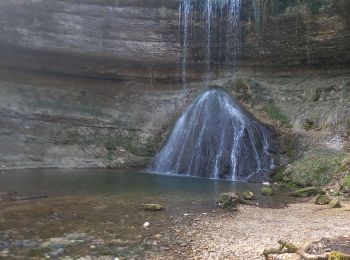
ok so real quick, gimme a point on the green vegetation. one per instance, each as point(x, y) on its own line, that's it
point(132, 144)
point(284, 248)
point(228, 201)
point(248, 195)
point(316, 168)
point(307, 192)
point(335, 203)
point(322, 199)
point(267, 191)
point(276, 114)
point(347, 181)
point(334, 255)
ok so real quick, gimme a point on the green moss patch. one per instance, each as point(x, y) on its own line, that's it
point(267, 191)
point(307, 192)
point(316, 168)
point(347, 181)
point(276, 114)
point(284, 248)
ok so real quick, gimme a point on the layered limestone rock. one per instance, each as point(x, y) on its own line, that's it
point(96, 83)
point(141, 39)
point(114, 39)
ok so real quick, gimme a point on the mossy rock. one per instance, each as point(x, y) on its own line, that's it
point(152, 207)
point(284, 248)
point(229, 200)
point(334, 255)
point(248, 195)
point(307, 192)
point(267, 191)
point(335, 203)
point(322, 199)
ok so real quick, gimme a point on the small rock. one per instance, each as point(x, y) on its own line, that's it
point(92, 246)
point(322, 199)
point(267, 191)
point(158, 236)
point(152, 207)
point(248, 195)
point(57, 252)
point(186, 214)
point(146, 224)
point(4, 253)
point(335, 203)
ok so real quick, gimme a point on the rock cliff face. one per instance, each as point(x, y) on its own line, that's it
point(140, 39)
point(298, 40)
point(96, 83)
point(114, 39)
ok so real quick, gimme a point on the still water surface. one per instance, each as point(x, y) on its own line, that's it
point(132, 184)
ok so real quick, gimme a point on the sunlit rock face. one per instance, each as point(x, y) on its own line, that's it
point(99, 38)
point(141, 39)
point(216, 138)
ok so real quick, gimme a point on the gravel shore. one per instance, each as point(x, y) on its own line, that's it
point(246, 233)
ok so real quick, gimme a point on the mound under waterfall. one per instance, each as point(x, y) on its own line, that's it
point(216, 138)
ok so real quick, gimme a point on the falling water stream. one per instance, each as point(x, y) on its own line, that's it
point(216, 138)
point(220, 20)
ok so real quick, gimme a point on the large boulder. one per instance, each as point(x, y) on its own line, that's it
point(335, 203)
point(248, 195)
point(322, 199)
point(267, 191)
point(229, 201)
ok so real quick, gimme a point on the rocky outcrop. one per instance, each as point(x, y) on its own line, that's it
point(96, 83)
point(140, 40)
point(297, 40)
point(109, 39)
point(69, 122)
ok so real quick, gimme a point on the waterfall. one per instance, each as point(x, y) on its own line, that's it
point(185, 10)
point(215, 14)
point(216, 138)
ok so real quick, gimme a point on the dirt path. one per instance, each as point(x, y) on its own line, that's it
point(245, 234)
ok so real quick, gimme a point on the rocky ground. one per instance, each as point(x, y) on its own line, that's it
point(71, 228)
point(245, 234)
